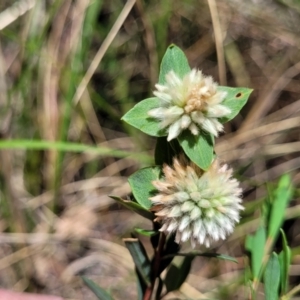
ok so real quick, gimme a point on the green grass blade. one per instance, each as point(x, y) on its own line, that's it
point(284, 261)
point(282, 196)
point(71, 147)
point(97, 290)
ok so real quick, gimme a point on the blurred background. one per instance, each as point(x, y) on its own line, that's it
point(64, 148)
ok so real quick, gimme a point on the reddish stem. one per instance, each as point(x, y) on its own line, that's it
point(155, 266)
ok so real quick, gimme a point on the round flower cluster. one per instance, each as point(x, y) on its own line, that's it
point(192, 103)
point(201, 206)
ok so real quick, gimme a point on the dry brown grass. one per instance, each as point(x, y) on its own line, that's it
point(57, 221)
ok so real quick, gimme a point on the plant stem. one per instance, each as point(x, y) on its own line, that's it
point(155, 266)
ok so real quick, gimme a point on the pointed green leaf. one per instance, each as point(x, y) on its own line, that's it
point(198, 148)
point(174, 59)
point(133, 206)
point(235, 99)
point(141, 185)
point(255, 244)
point(197, 253)
point(284, 261)
point(249, 243)
point(176, 275)
point(216, 255)
point(140, 258)
point(141, 285)
point(97, 290)
point(138, 117)
point(282, 196)
point(146, 232)
point(272, 278)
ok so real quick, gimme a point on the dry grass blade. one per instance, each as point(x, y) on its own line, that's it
point(49, 62)
point(105, 45)
point(149, 38)
point(17, 256)
point(267, 99)
point(12, 13)
point(251, 134)
point(219, 40)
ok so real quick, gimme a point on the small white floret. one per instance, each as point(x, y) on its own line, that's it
point(190, 103)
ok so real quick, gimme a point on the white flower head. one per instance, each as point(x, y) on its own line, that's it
point(200, 206)
point(192, 103)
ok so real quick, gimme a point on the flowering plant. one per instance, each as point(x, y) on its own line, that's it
point(189, 195)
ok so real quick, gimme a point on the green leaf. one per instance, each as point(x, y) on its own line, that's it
point(176, 275)
point(138, 117)
point(219, 256)
point(140, 258)
point(97, 290)
point(141, 185)
point(133, 206)
point(235, 99)
point(282, 196)
point(174, 59)
point(146, 232)
point(255, 244)
point(284, 261)
point(141, 285)
point(272, 278)
point(198, 148)
point(197, 253)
